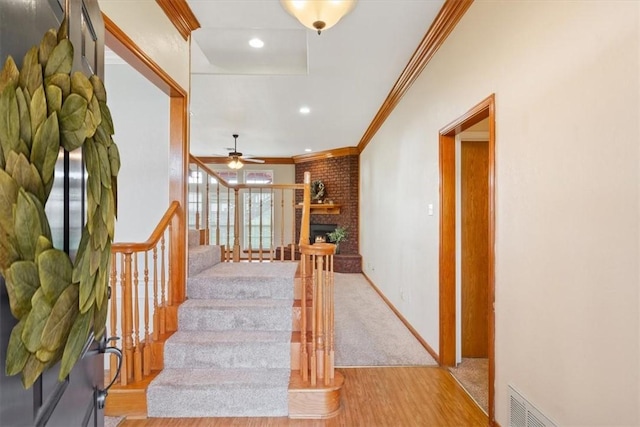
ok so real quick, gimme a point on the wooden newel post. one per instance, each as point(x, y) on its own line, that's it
point(320, 256)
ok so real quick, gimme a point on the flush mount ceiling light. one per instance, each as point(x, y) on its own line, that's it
point(318, 14)
point(305, 110)
point(256, 43)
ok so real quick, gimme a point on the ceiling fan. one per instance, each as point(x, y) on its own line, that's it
point(236, 158)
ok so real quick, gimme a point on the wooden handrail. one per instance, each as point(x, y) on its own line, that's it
point(155, 235)
point(198, 162)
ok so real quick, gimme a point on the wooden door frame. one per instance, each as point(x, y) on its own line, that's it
point(447, 280)
point(128, 50)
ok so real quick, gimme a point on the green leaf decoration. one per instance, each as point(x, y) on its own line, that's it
point(102, 281)
point(107, 210)
point(27, 225)
point(31, 73)
point(22, 283)
point(54, 99)
point(48, 43)
point(55, 271)
point(43, 244)
point(87, 293)
point(94, 261)
point(71, 140)
point(46, 145)
point(8, 196)
point(106, 118)
point(63, 30)
point(114, 159)
point(44, 222)
point(31, 371)
point(9, 75)
point(105, 166)
point(72, 122)
point(8, 251)
point(98, 88)
point(17, 353)
point(95, 191)
point(25, 117)
point(61, 59)
point(81, 85)
point(45, 355)
point(38, 109)
point(9, 120)
point(100, 233)
point(90, 124)
point(35, 321)
point(63, 81)
point(27, 176)
point(100, 317)
point(94, 107)
point(62, 316)
point(75, 343)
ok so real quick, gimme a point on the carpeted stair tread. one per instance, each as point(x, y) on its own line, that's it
point(203, 257)
point(243, 281)
point(228, 349)
point(219, 393)
point(225, 314)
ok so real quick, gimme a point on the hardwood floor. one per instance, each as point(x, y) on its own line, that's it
point(389, 396)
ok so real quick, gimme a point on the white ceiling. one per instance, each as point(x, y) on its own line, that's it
point(342, 75)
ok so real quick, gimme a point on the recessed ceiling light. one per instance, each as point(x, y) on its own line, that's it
point(305, 110)
point(256, 42)
point(308, 150)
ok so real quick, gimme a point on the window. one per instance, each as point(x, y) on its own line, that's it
point(258, 210)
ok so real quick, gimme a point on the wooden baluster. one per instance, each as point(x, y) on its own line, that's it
point(319, 313)
point(331, 361)
point(217, 212)
point(156, 308)
point(314, 326)
point(226, 258)
point(146, 355)
point(113, 360)
point(137, 354)
point(170, 267)
point(249, 224)
point(197, 197)
point(206, 211)
point(293, 228)
point(282, 225)
point(271, 230)
point(236, 226)
point(260, 229)
point(163, 284)
point(127, 326)
point(304, 356)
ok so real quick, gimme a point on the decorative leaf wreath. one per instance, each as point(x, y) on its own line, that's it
point(317, 190)
point(57, 302)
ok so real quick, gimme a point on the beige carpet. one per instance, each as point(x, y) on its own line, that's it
point(112, 421)
point(473, 374)
point(368, 332)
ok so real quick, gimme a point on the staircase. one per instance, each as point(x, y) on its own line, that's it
point(231, 354)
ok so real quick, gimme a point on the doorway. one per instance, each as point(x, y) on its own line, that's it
point(480, 319)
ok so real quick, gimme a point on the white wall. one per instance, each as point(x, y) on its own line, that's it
point(566, 78)
point(140, 113)
point(148, 26)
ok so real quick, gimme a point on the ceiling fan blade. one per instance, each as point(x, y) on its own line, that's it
point(252, 160)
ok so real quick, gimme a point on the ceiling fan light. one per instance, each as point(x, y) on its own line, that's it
point(235, 163)
point(318, 14)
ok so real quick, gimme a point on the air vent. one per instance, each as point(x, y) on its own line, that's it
point(524, 414)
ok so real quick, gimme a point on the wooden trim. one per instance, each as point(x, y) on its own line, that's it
point(128, 50)
point(445, 22)
point(403, 320)
point(484, 109)
point(321, 155)
point(180, 15)
point(267, 160)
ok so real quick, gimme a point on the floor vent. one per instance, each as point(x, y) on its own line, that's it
point(524, 414)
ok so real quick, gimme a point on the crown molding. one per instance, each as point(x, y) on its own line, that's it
point(180, 15)
point(267, 160)
point(445, 22)
point(321, 155)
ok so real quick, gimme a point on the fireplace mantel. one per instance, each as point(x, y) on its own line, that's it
point(322, 209)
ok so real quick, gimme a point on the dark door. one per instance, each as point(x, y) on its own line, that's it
point(49, 402)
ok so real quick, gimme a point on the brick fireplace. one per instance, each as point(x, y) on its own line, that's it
point(340, 177)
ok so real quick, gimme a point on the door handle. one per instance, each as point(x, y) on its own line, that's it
point(101, 395)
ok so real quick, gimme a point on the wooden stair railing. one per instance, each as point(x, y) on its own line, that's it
point(219, 209)
point(155, 305)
